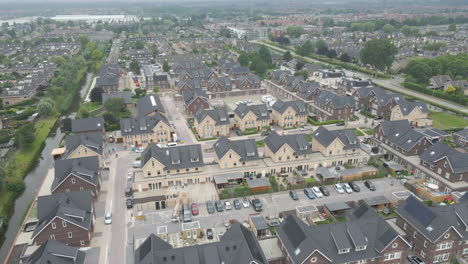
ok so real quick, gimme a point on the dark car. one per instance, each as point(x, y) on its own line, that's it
point(309, 193)
point(129, 203)
point(324, 190)
point(237, 204)
point(265, 133)
point(128, 192)
point(293, 195)
point(209, 233)
point(257, 205)
point(210, 207)
point(354, 186)
point(219, 206)
point(239, 132)
point(415, 260)
point(340, 124)
point(370, 185)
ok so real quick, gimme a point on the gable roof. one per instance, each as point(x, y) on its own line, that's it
point(458, 160)
point(73, 207)
point(307, 88)
point(225, 82)
point(190, 96)
point(220, 116)
point(433, 222)
point(298, 142)
point(92, 141)
point(148, 104)
point(400, 133)
point(126, 96)
point(86, 168)
point(259, 110)
point(238, 245)
point(462, 133)
point(192, 83)
point(57, 253)
point(363, 229)
point(174, 158)
point(337, 101)
point(141, 125)
point(297, 105)
point(245, 148)
point(347, 136)
point(87, 124)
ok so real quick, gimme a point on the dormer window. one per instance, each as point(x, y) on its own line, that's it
point(361, 248)
point(344, 251)
point(194, 160)
point(297, 251)
point(303, 147)
point(250, 154)
point(175, 161)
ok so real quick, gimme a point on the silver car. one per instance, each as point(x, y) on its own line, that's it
point(347, 188)
point(339, 188)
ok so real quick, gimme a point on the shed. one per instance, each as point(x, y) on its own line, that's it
point(191, 230)
point(379, 203)
point(393, 166)
point(223, 181)
point(307, 211)
point(259, 184)
point(259, 225)
point(337, 208)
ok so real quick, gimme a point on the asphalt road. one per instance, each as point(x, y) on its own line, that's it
point(390, 83)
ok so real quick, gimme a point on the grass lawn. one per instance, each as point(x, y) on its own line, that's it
point(20, 164)
point(327, 221)
point(311, 179)
point(444, 120)
point(260, 143)
point(341, 218)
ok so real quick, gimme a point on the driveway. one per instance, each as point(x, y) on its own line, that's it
point(174, 114)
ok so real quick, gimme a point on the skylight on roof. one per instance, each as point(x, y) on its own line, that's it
point(432, 153)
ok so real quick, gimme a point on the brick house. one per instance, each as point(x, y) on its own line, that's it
point(330, 106)
point(77, 175)
point(66, 217)
point(188, 85)
point(150, 105)
point(195, 101)
point(220, 84)
point(364, 238)
point(57, 252)
point(87, 125)
point(212, 123)
point(438, 233)
point(308, 90)
point(248, 82)
point(446, 162)
point(251, 117)
point(288, 114)
point(108, 79)
point(461, 137)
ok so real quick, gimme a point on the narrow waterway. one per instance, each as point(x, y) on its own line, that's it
point(34, 179)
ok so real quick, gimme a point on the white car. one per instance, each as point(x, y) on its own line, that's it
point(245, 202)
point(108, 219)
point(317, 192)
point(339, 188)
point(227, 205)
point(139, 150)
point(347, 188)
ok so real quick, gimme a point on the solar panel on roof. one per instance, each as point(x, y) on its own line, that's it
point(360, 211)
point(294, 232)
point(419, 211)
point(386, 237)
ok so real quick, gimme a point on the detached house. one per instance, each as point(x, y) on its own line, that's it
point(288, 114)
point(282, 148)
point(235, 153)
point(195, 101)
point(142, 131)
point(438, 82)
point(438, 234)
point(364, 238)
point(55, 252)
point(150, 105)
point(77, 175)
point(252, 117)
point(156, 161)
point(212, 123)
point(335, 142)
point(84, 145)
point(87, 125)
point(446, 162)
point(66, 217)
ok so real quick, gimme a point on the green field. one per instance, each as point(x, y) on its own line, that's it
point(444, 120)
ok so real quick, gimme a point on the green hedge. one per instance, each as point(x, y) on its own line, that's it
point(317, 123)
point(436, 93)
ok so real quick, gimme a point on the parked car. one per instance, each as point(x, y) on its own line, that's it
point(219, 206)
point(239, 132)
point(237, 204)
point(354, 186)
point(415, 260)
point(339, 188)
point(209, 233)
point(265, 133)
point(227, 205)
point(293, 195)
point(317, 192)
point(137, 164)
point(108, 219)
point(210, 207)
point(194, 208)
point(186, 213)
point(340, 124)
point(128, 192)
point(245, 202)
point(129, 203)
point(347, 188)
point(370, 185)
point(139, 150)
point(257, 205)
point(309, 193)
point(324, 190)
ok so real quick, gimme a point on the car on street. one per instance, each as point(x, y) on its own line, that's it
point(324, 190)
point(129, 203)
point(194, 208)
point(108, 219)
point(370, 185)
point(309, 193)
point(237, 204)
point(415, 260)
point(245, 202)
point(128, 192)
point(186, 214)
point(293, 195)
point(340, 124)
point(304, 128)
point(265, 133)
point(219, 206)
point(317, 192)
point(347, 188)
point(210, 207)
point(227, 205)
point(137, 164)
point(339, 188)
point(209, 233)
point(239, 132)
point(257, 204)
point(139, 150)
point(354, 186)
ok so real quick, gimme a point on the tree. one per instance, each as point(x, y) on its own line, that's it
point(295, 31)
point(139, 92)
point(258, 66)
point(287, 56)
point(243, 59)
point(331, 53)
point(379, 53)
point(114, 105)
point(409, 30)
point(84, 113)
point(420, 71)
point(265, 55)
point(96, 95)
point(25, 135)
point(96, 54)
point(135, 67)
point(166, 66)
point(299, 65)
point(345, 57)
point(452, 27)
point(450, 89)
point(59, 60)
point(302, 73)
point(15, 185)
point(306, 49)
point(45, 107)
point(320, 44)
point(155, 89)
point(139, 45)
point(388, 28)
point(225, 32)
point(323, 50)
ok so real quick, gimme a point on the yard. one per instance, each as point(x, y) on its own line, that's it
point(443, 120)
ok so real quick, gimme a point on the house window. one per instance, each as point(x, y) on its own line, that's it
point(360, 248)
point(82, 242)
point(423, 254)
point(465, 251)
point(425, 243)
point(73, 180)
point(53, 225)
point(391, 256)
point(343, 251)
point(64, 223)
point(414, 234)
point(444, 246)
point(439, 170)
point(404, 226)
point(52, 237)
point(361, 261)
point(394, 245)
point(313, 260)
point(70, 234)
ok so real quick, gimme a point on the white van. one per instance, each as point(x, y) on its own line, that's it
point(137, 164)
point(172, 144)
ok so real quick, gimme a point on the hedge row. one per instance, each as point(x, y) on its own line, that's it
point(317, 123)
point(436, 93)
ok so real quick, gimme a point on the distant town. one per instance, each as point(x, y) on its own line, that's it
point(234, 132)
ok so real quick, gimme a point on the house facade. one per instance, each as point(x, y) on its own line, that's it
point(212, 123)
point(145, 130)
point(289, 114)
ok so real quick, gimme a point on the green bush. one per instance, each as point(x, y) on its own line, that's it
point(318, 123)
